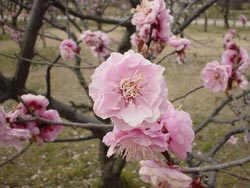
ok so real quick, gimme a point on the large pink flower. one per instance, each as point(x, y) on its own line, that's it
point(161, 175)
point(130, 89)
point(68, 49)
point(97, 41)
point(215, 76)
point(138, 143)
point(179, 126)
point(147, 11)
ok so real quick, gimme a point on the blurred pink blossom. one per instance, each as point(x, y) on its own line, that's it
point(129, 89)
point(161, 175)
point(16, 35)
point(233, 140)
point(243, 19)
point(68, 49)
point(228, 38)
point(215, 76)
point(138, 143)
point(179, 126)
point(97, 41)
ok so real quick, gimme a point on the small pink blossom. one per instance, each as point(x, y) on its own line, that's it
point(36, 103)
point(68, 49)
point(161, 175)
point(11, 137)
point(163, 26)
point(180, 45)
point(243, 19)
point(228, 38)
point(97, 41)
point(129, 89)
point(147, 11)
point(50, 132)
point(233, 140)
point(136, 144)
point(238, 59)
point(179, 126)
point(215, 76)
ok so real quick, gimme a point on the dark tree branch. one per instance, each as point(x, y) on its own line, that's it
point(28, 44)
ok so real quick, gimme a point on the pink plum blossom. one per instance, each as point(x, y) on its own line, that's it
point(37, 107)
point(36, 103)
point(243, 19)
point(179, 126)
point(147, 11)
point(11, 137)
point(161, 175)
point(215, 76)
point(163, 26)
point(180, 46)
point(233, 140)
point(129, 89)
point(137, 143)
point(97, 41)
point(68, 49)
point(50, 132)
point(238, 59)
point(228, 38)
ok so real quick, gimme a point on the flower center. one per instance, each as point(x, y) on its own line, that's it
point(129, 87)
point(216, 76)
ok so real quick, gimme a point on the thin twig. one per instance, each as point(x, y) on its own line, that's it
point(186, 94)
point(165, 56)
point(218, 166)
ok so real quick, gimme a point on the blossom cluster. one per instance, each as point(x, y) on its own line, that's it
point(97, 41)
point(12, 130)
point(131, 91)
point(153, 25)
point(230, 73)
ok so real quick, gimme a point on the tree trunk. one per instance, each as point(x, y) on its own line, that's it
point(226, 13)
point(111, 169)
